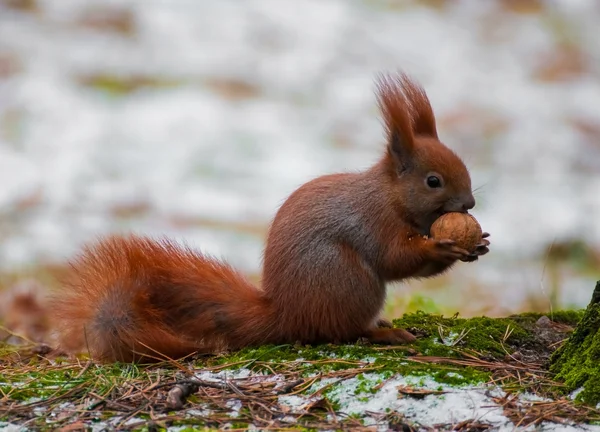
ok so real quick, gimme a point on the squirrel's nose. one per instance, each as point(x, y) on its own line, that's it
point(468, 202)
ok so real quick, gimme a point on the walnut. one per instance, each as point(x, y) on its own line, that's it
point(463, 228)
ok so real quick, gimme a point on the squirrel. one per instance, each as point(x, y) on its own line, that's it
point(331, 248)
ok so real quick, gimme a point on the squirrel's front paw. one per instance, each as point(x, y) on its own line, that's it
point(446, 251)
point(481, 249)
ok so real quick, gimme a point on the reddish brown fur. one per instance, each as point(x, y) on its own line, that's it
point(405, 106)
point(133, 297)
point(331, 248)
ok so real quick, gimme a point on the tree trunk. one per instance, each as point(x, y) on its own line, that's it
point(577, 362)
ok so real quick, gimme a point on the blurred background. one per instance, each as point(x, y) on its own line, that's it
point(196, 119)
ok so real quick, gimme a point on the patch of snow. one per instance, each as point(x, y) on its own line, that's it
point(456, 405)
point(40, 411)
point(113, 422)
point(235, 405)
point(9, 427)
point(294, 402)
point(198, 413)
point(576, 392)
point(226, 374)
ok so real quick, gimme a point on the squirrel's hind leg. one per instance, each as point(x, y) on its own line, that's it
point(389, 336)
point(383, 323)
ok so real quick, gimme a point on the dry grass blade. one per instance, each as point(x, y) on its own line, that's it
point(528, 413)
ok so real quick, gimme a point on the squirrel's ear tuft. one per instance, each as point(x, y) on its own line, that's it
point(423, 119)
point(396, 111)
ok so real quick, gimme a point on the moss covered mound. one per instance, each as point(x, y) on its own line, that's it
point(438, 336)
point(577, 362)
point(450, 354)
point(446, 336)
point(489, 338)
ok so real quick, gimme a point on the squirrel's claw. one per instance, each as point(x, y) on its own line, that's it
point(480, 249)
point(470, 258)
point(446, 251)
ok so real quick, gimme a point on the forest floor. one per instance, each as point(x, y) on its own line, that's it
point(462, 374)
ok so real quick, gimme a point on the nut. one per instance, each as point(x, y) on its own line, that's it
point(463, 228)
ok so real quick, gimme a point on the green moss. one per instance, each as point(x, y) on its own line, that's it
point(41, 382)
point(456, 376)
point(36, 384)
point(464, 377)
point(577, 363)
point(312, 359)
point(366, 385)
point(447, 336)
point(569, 317)
point(437, 336)
point(326, 358)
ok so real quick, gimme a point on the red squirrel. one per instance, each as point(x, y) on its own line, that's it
point(332, 247)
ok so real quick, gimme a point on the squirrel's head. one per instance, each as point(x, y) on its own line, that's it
point(427, 178)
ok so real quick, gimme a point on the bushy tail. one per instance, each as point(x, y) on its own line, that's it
point(138, 299)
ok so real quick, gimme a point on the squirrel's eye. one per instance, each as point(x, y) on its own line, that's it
point(434, 182)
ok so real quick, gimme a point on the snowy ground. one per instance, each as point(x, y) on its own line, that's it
point(454, 404)
point(236, 104)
